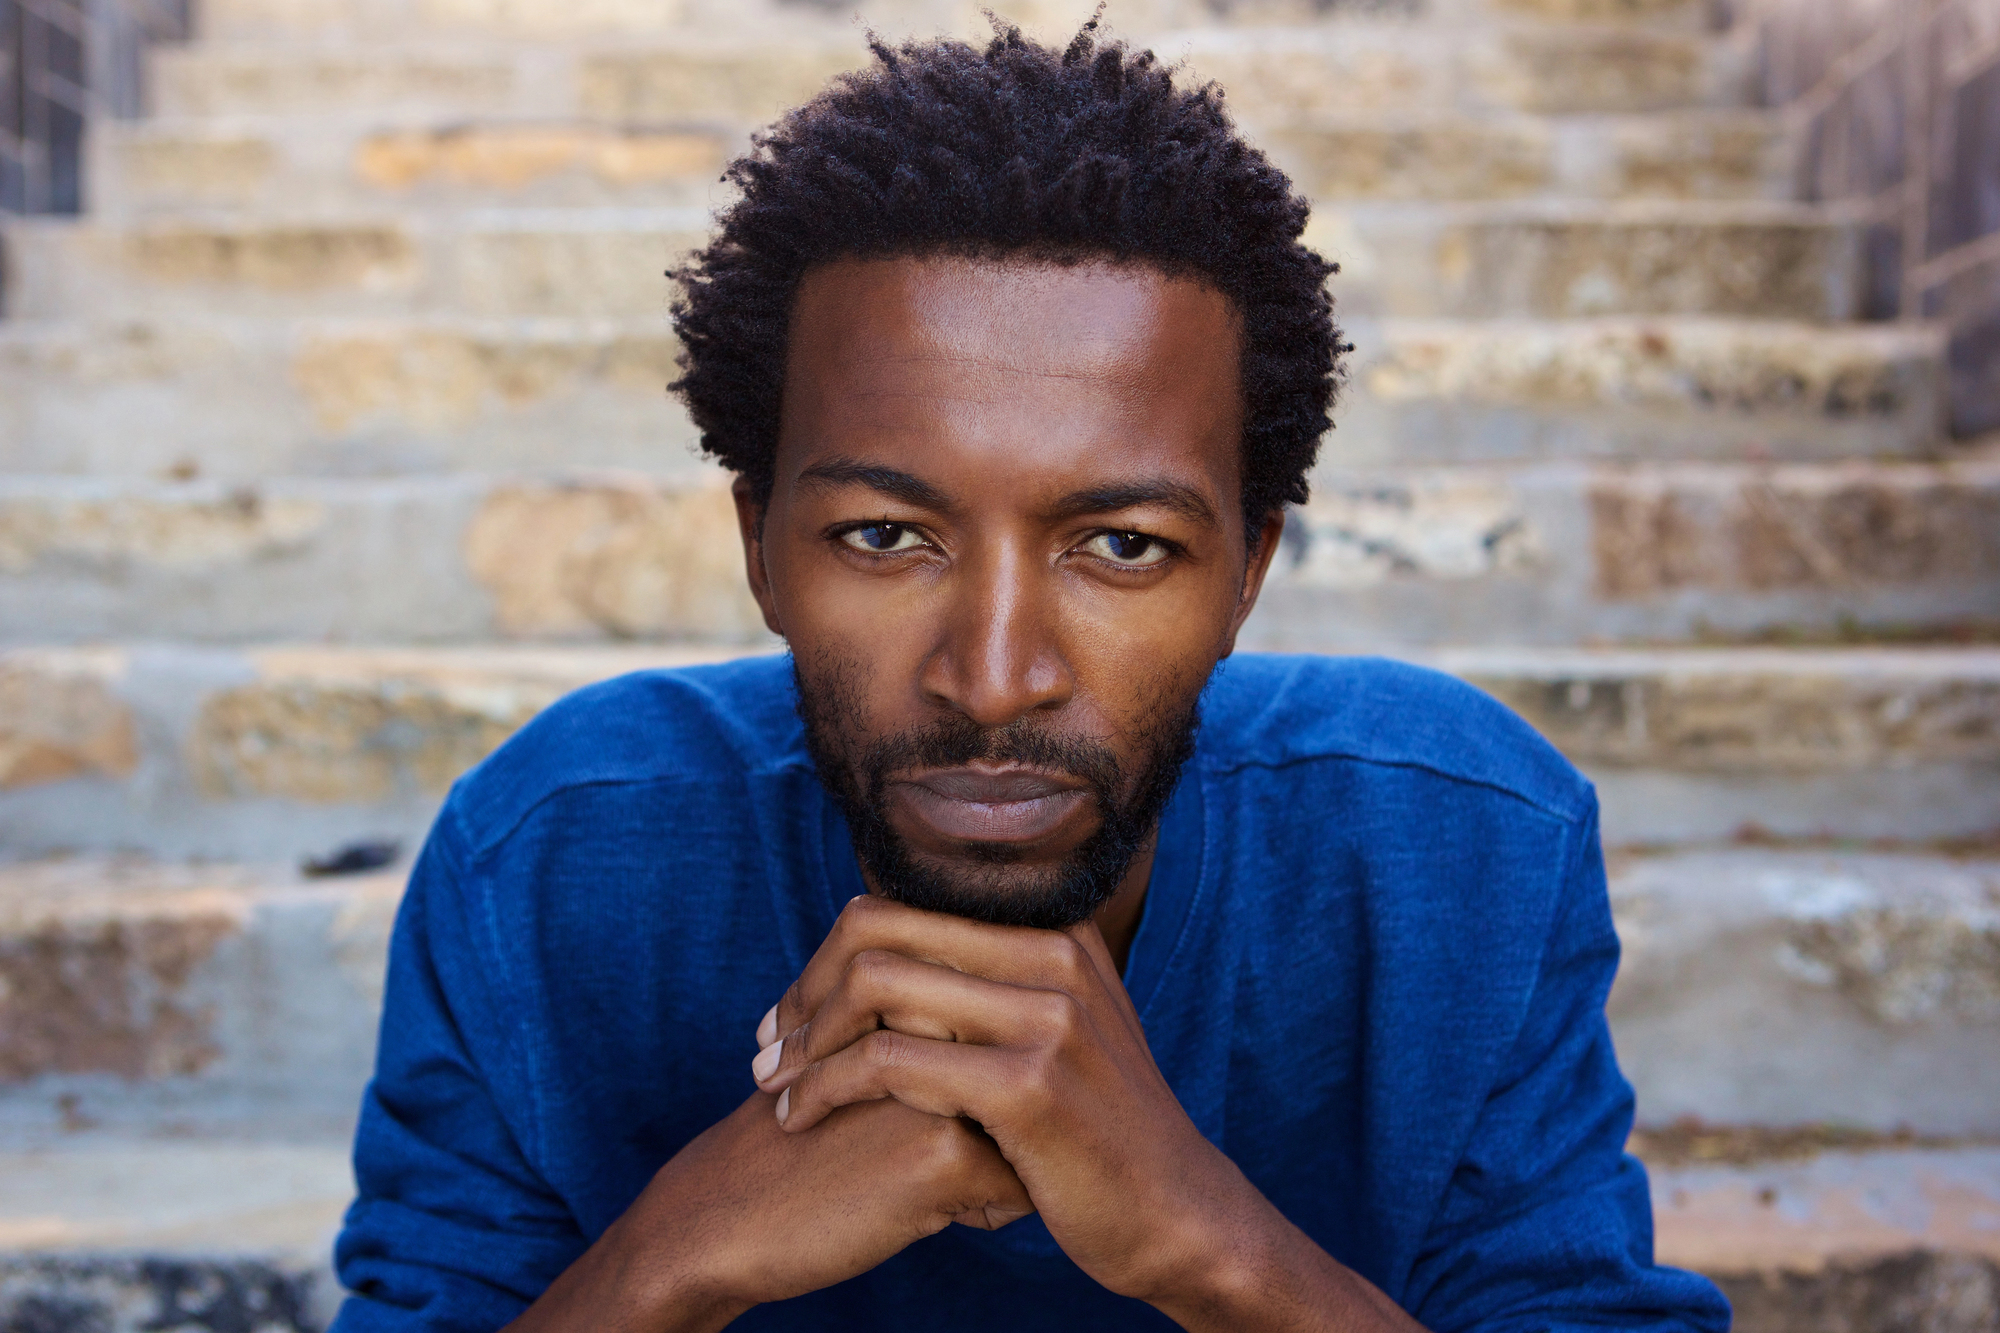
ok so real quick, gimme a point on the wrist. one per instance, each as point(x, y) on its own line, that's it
point(1228, 1264)
point(663, 1281)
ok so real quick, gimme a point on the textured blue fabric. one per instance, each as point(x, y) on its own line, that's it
point(1372, 965)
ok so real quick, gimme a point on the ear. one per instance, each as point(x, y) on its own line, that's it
point(750, 524)
point(1254, 569)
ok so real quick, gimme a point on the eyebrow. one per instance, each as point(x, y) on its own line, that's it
point(1182, 499)
point(892, 482)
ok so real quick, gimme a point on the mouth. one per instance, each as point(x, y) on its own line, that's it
point(1010, 804)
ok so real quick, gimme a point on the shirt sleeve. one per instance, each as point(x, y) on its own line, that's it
point(453, 1229)
point(1547, 1223)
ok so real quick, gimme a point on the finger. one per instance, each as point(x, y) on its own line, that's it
point(941, 1078)
point(1092, 939)
point(892, 990)
point(1018, 955)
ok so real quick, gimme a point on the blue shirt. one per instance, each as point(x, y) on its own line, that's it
point(1372, 965)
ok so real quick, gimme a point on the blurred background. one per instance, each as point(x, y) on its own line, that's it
point(333, 444)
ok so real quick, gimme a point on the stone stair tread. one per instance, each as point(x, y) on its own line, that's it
point(1383, 555)
point(1275, 71)
point(1845, 1208)
point(176, 1197)
point(1489, 258)
point(271, 751)
point(248, 396)
point(329, 161)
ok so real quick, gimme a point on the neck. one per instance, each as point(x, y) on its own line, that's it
point(1118, 919)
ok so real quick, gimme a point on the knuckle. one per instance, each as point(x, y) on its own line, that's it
point(1039, 1077)
point(872, 970)
point(794, 1003)
point(1057, 1015)
point(885, 1049)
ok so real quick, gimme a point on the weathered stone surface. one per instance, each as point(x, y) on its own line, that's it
point(364, 725)
point(1443, 528)
point(91, 985)
point(274, 258)
point(1921, 1291)
point(437, 378)
point(60, 719)
point(623, 557)
point(1839, 1217)
point(1451, 160)
point(1716, 711)
point(1719, 367)
point(1271, 83)
point(198, 80)
point(318, 734)
point(511, 157)
point(1688, 157)
point(1605, 11)
point(188, 527)
point(105, 1294)
point(1557, 70)
point(194, 169)
point(1795, 986)
point(1612, 262)
point(615, 267)
point(1838, 527)
point(748, 85)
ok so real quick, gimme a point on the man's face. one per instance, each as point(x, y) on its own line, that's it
point(1005, 544)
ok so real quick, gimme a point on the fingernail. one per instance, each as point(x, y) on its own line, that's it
point(784, 1105)
point(766, 1063)
point(767, 1030)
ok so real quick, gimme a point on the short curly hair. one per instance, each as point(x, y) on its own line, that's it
point(1017, 149)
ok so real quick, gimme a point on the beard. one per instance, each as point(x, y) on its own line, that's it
point(988, 882)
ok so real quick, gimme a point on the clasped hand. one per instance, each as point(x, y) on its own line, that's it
point(1030, 1035)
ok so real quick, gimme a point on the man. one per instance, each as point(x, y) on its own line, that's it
point(1081, 1021)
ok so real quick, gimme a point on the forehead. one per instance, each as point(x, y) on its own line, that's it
point(1031, 368)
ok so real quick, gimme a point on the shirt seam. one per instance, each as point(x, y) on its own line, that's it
point(1565, 816)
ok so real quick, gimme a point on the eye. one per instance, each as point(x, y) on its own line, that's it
point(1133, 550)
point(882, 538)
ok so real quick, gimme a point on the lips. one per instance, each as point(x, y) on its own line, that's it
point(1019, 805)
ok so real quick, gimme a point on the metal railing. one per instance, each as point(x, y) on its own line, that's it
point(61, 63)
point(1896, 104)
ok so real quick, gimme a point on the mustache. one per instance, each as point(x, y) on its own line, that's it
point(953, 741)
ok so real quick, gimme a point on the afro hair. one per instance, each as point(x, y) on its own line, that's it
point(1089, 153)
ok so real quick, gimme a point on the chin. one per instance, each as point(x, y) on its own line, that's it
point(993, 885)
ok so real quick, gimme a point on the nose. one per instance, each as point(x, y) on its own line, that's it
point(997, 657)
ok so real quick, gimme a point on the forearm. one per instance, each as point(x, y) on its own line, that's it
point(1259, 1272)
point(640, 1277)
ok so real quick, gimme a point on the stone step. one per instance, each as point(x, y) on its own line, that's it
point(568, 263)
point(1891, 1240)
point(1524, 259)
point(1050, 20)
point(1843, 1242)
point(1574, 258)
point(279, 752)
point(1272, 74)
point(1539, 554)
point(1373, 155)
point(242, 399)
point(1653, 388)
point(1275, 76)
point(143, 996)
point(1792, 987)
point(1846, 1000)
point(330, 164)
